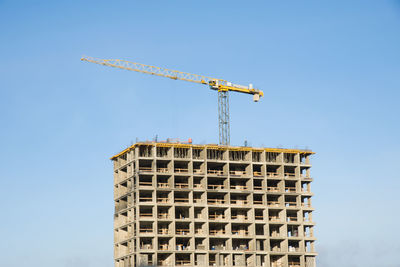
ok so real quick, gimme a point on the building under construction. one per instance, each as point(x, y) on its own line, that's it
point(208, 205)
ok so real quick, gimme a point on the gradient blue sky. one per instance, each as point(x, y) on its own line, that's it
point(330, 71)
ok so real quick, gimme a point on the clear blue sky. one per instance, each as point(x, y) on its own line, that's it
point(330, 71)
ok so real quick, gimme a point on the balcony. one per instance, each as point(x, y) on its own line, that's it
point(164, 247)
point(182, 247)
point(163, 200)
point(293, 233)
point(239, 217)
point(257, 174)
point(218, 247)
point(181, 200)
point(197, 186)
point(163, 216)
point(240, 232)
point(182, 231)
point(239, 201)
point(259, 217)
point(291, 219)
point(162, 185)
point(125, 236)
point(239, 187)
point(146, 230)
point(122, 221)
point(121, 161)
point(198, 171)
point(162, 170)
point(241, 247)
point(182, 216)
point(276, 249)
point(258, 202)
point(183, 262)
point(272, 174)
point(144, 184)
point(308, 249)
point(164, 231)
point(273, 203)
point(290, 189)
point(181, 185)
point(215, 186)
point(198, 201)
point(121, 191)
point(272, 189)
point(200, 247)
point(216, 217)
point(215, 201)
point(257, 187)
point(275, 235)
point(217, 232)
point(237, 173)
point(145, 215)
point(145, 169)
point(145, 199)
point(306, 205)
point(291, 204)
point(146, 247)
point(290, 175)
point(199, 232)
point(274, 219)
point(294, 249)
point(121, 206)
point(216, 172)
point(164, 263)
point(308, 234)
point(181, 170)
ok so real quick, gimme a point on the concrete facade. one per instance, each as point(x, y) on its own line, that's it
point(208, 205)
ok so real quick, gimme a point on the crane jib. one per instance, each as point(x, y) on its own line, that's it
point(223, 87)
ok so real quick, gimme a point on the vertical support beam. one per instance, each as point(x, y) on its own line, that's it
point(223, 118)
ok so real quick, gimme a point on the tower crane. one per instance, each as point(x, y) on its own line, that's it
point(222, 86)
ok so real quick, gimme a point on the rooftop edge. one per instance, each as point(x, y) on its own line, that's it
point(213, 146)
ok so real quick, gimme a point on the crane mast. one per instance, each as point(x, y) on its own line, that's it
point(222, 86)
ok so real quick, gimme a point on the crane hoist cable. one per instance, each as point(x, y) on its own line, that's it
point(222, 86)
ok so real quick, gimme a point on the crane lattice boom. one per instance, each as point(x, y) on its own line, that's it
point(222, 86)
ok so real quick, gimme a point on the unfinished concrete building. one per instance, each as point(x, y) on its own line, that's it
point(207, 205)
